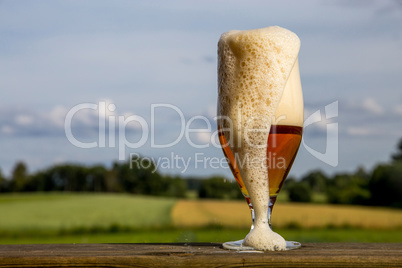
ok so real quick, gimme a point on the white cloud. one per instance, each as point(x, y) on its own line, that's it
point(372, 106)
point(204, 137)
point(359, 131)
point(24, 119)
point(398, 109)
point(29, 122)
point(57, 115)
point(361, 108)
point(7, 129)
point(211, 111)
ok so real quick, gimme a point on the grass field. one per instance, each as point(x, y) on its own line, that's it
point(121, 218)
point(212, 235)
point(65, 211)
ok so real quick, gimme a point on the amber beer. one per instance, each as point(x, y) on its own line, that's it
point(283, 144)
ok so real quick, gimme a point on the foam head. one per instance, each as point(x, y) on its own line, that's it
point(253, 68)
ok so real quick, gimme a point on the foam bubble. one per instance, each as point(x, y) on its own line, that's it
point(253, 69)
point(264, 238)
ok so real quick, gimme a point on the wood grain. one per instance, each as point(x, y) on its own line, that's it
point(199, 255)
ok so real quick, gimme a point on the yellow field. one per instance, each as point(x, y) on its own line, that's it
point(197, 213)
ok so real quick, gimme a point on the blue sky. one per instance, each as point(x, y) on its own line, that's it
point(55, 55)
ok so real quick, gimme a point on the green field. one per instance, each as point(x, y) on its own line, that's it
point(120, 218)
point(58, 212)
point(212, 235)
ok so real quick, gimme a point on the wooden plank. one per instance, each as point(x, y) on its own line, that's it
point(199, 255)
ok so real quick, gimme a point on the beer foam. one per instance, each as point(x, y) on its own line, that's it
point(264, 238)
point(253, 69)
point(290, 108)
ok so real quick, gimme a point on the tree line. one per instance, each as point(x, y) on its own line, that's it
point(380, 187)
point(121, 177)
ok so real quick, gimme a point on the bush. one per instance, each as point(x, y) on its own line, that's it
point(348, 189)
point(317, 181)
point(219, 188)
point(386, 185)
point(299, 192)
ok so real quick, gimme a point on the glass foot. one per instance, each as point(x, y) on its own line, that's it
point(238, 245)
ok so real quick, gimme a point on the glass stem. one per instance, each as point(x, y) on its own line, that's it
point(272, 200)
point(252, 216)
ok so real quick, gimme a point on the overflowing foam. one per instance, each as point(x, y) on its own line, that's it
point(253, 69)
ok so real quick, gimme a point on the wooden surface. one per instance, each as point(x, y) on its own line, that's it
point(198, 255)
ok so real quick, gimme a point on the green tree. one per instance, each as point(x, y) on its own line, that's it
point(39, 181)
point(386, 185)
point(299, 192)
point(176, 187)
point(144, 179)
point(69, 177)
point(219, 188)
point(348, 189)
point(19, 177)
point(288, 183)
point(111, 181)
point(398, 155)
point(3, 182)
point(317, 181)
point(126, 177)
point(137, 179)
point(95, 179)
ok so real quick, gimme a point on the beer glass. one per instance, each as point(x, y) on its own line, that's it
point(283, 142)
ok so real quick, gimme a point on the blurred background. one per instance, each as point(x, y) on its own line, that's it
point(97, 97)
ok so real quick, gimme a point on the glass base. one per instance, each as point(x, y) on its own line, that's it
point(238, 245)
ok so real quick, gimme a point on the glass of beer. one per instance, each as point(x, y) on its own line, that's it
point(260, 122)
